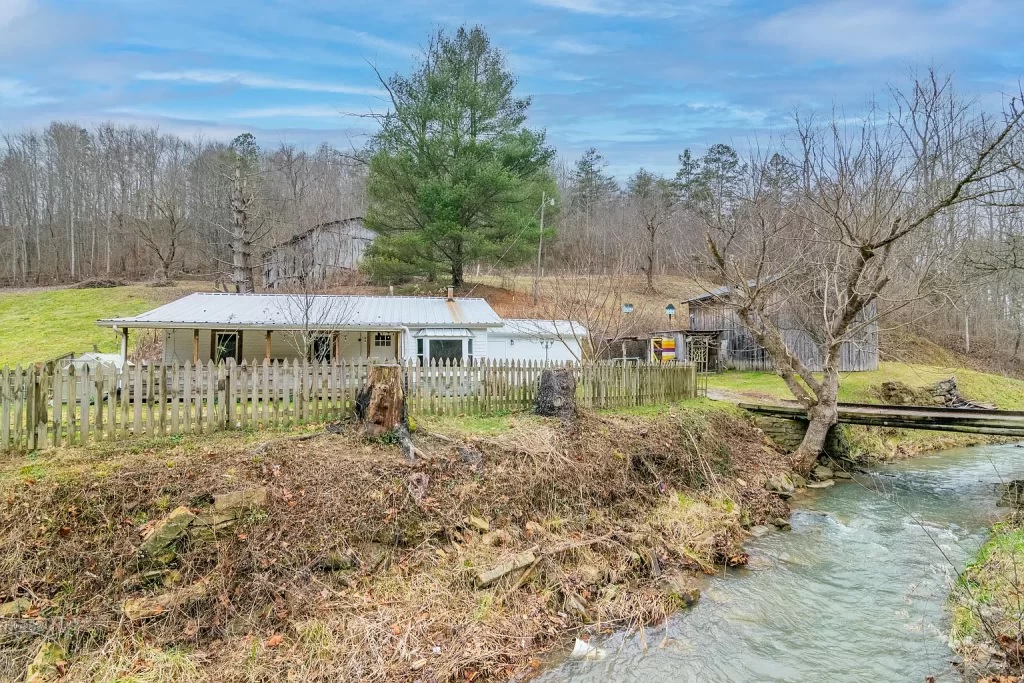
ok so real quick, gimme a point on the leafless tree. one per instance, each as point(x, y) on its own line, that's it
point(857, 219)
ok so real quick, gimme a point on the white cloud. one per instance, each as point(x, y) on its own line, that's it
point(851, 30)
point(618, 8)
point(13, 9)
point(209, 77)
point(308, 112)
point(15, 93)
point(575, 47)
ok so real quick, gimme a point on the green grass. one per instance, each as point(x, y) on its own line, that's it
point(856, 387)
point(992, 585)
point(43, 324)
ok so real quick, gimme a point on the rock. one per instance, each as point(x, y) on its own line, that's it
point(681, 588)
point(843, 474)
point(15, 608)
point(822, 473)
point(759, 531)
point(574, 604)
point(592, 575)
point(491, 576)
point(208, 526)
point(478, 523)
point(821, 484)
point(799, 481)
point(470, 456)
point(152, 606)
point(337, 561)
point(47, 665)
point(241, 500)
point(781, 524)
point(158, 547)
point(497, 538)
point(780, 483)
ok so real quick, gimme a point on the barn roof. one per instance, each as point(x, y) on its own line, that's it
point(717, 293)
point(320, 311)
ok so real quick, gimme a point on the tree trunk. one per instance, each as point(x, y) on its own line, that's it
point(457, 275)
point(556, 396)
point(821, 417)
point(380, 405)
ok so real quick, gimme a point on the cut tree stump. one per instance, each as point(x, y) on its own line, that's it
point(380, 405)
point(556, 396)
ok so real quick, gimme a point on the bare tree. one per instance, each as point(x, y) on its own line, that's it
point(652, 198)
point(857, 218)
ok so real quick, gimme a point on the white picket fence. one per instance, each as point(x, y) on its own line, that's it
point(42, 406)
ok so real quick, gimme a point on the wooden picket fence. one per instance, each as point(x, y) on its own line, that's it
point(42, 406)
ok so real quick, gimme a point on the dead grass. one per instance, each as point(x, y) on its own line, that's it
point(621, 497)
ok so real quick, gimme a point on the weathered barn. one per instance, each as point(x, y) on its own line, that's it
point(317, 255)
point(717, 333)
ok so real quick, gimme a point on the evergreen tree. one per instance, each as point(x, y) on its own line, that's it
point(455, 175)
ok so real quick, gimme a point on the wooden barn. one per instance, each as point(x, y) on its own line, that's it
point(317, 255)
point(718, 338)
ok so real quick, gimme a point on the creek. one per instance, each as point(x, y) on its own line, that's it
point(855, 592)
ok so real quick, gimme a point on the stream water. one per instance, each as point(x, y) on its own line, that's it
point(855, 592)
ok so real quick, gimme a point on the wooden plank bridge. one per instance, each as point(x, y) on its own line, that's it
point(970, 420)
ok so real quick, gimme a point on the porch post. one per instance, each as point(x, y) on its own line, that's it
point(195, 346)
point(335, 347)
point(267, 344)
point(124, 344)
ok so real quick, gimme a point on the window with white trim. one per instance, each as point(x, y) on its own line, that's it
point(382, 340)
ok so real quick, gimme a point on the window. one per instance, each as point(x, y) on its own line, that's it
point(321, 350)
point(419, 351)
point(226, 347)
point(446, 351)
point(469, 351)
point(382, 340)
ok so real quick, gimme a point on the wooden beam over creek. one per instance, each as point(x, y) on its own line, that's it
point(969, 420)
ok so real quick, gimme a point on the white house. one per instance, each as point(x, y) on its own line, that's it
point(257, 327)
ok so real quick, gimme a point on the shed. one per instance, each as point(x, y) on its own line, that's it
point(715, 326)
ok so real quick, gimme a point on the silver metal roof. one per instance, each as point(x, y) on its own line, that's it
point(524, 327)
point(456, 332)
point(325, 311)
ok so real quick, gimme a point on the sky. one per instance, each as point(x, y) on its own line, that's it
point(640, 80)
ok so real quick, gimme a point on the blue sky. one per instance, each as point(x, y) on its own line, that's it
point(638, 79)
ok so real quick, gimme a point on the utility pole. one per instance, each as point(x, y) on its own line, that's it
point(540, 245)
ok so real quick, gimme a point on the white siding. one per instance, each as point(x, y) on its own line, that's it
point(511, 347)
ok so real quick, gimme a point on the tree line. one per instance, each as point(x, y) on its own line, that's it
point(129, 202)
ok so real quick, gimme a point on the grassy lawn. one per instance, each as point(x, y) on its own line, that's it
point(856, 387)
point(43, 324)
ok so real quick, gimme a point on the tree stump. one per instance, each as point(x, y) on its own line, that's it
point(556, 396)
point(380, 405)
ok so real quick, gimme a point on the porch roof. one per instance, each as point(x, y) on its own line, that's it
point(321, 311)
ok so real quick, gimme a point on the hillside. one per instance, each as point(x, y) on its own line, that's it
point(40, 324)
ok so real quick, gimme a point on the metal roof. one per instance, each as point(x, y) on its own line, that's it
point(524, 327)
point(324, 311)
point(451, 332)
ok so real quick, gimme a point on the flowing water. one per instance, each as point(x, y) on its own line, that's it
point(855, 592)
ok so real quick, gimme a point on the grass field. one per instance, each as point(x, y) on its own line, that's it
point(41, 324)
point(1007, 393)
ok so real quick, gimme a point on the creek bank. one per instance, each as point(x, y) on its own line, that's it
point(333, 558)
point(986, 607)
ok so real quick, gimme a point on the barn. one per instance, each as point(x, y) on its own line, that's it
point(317, 255)
point(717, 339)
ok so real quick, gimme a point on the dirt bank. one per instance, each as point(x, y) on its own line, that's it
point(332, 559)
